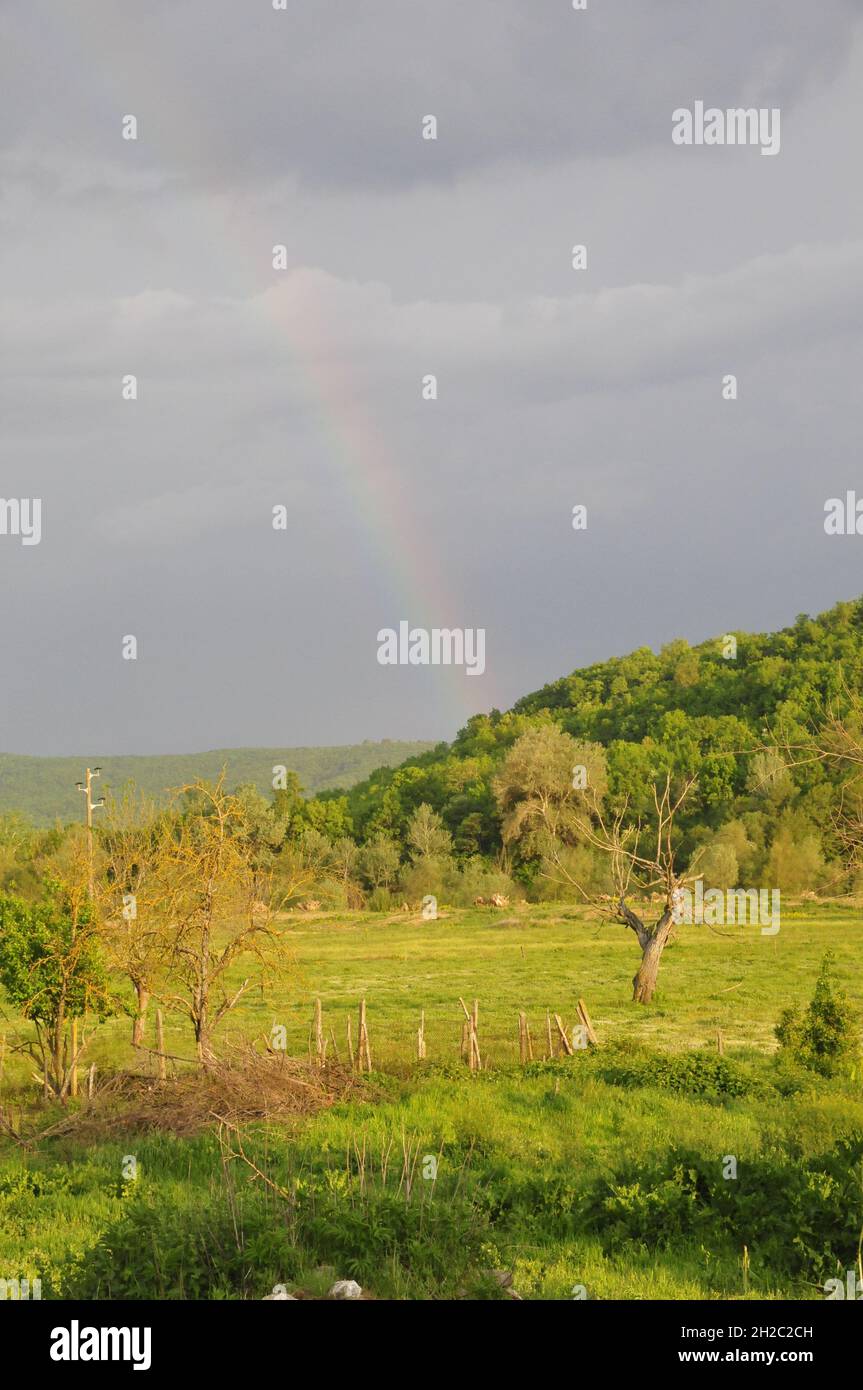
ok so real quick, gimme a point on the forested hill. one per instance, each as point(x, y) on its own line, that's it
point(43, 789)
point(701, 709)
point(753, 676)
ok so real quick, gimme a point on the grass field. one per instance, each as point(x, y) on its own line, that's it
point(731, 978)
point(533, 959)
point(603, 1172)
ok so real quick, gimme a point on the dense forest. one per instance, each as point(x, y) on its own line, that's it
point(734, 718)
point(736, 712)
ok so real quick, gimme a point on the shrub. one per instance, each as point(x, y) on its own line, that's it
point(718, 864)
point(800, 1217)
point(796, 861)
point(210, 1251)
point(430, 874)
point(824, 1036)
point(481, 880)
point(703, 1074)
point(575, 864)
point(380, 900)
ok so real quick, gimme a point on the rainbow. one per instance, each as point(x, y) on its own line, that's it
point(396, 543)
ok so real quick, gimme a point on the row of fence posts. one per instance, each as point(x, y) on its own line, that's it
point(360, 1060)
point(558, 1041)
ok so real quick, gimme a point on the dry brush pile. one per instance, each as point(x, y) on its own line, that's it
point(242, 1086)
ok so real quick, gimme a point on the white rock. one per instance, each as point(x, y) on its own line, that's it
point(345, 1288)
point(279, 1296)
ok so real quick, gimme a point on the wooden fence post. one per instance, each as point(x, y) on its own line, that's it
point(588, 1026)
point(472, 1029)
point(565, 1044)
point(319, 1034)
point(363, 1041)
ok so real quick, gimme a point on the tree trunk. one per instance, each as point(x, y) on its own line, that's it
point(644, 982)
point(143, 995)
point(202, 1039)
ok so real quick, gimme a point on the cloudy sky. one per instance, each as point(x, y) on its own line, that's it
point(302, 387)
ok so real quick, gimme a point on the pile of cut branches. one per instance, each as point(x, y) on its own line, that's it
point(241, 1086)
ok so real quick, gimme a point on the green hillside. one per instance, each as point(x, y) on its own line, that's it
point(706, 712)
point(44, 788)
point(690, 711)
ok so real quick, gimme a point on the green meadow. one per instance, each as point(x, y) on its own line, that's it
point(526, 958)
point(648, 1167)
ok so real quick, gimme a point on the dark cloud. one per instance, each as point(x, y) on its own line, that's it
point(302, 388)
point(333, 93)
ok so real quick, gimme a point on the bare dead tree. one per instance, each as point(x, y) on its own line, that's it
point(550, 811)
point(635, 866)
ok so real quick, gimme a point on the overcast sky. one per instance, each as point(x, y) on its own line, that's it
point(405, 256)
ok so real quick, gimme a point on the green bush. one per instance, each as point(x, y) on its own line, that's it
point(703, 1074)
point(696, 1073)
point(799, 1217)
point(207, 1251)
point(824, 1037)
point(380, 900)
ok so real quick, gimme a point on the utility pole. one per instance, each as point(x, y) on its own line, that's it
point(91, 806)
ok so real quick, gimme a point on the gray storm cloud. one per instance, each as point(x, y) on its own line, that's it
point(453, 257)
